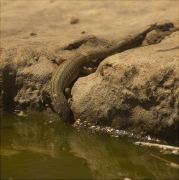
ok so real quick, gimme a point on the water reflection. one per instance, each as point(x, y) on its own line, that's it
point(110, 158)
point(107, 158)
point(42, 137)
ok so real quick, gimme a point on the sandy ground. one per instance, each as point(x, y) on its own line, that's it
point(49, 19)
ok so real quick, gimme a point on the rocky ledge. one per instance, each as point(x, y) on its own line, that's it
point(137, 90)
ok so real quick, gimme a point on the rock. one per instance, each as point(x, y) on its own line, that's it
point(74, 20)
point(23, 77)
point(136, 90)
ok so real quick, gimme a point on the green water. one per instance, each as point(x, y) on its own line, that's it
point(38, 147)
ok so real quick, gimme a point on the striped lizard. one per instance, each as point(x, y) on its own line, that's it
point(69, 70)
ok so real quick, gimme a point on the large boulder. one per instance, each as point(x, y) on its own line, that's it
point(136, 90)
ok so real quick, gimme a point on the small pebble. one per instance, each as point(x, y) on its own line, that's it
point(92, 127)
point(117, 131)
point(148, 138)
point(33, 34)
point(157, 140)
point(74, 20)
point(109, 129)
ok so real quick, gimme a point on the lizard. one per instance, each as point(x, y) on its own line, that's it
point(69, 70)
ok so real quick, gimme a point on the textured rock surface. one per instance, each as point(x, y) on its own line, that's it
point(25, 72)
point(137, 90)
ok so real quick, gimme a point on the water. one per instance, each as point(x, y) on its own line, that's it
point(38, 147)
